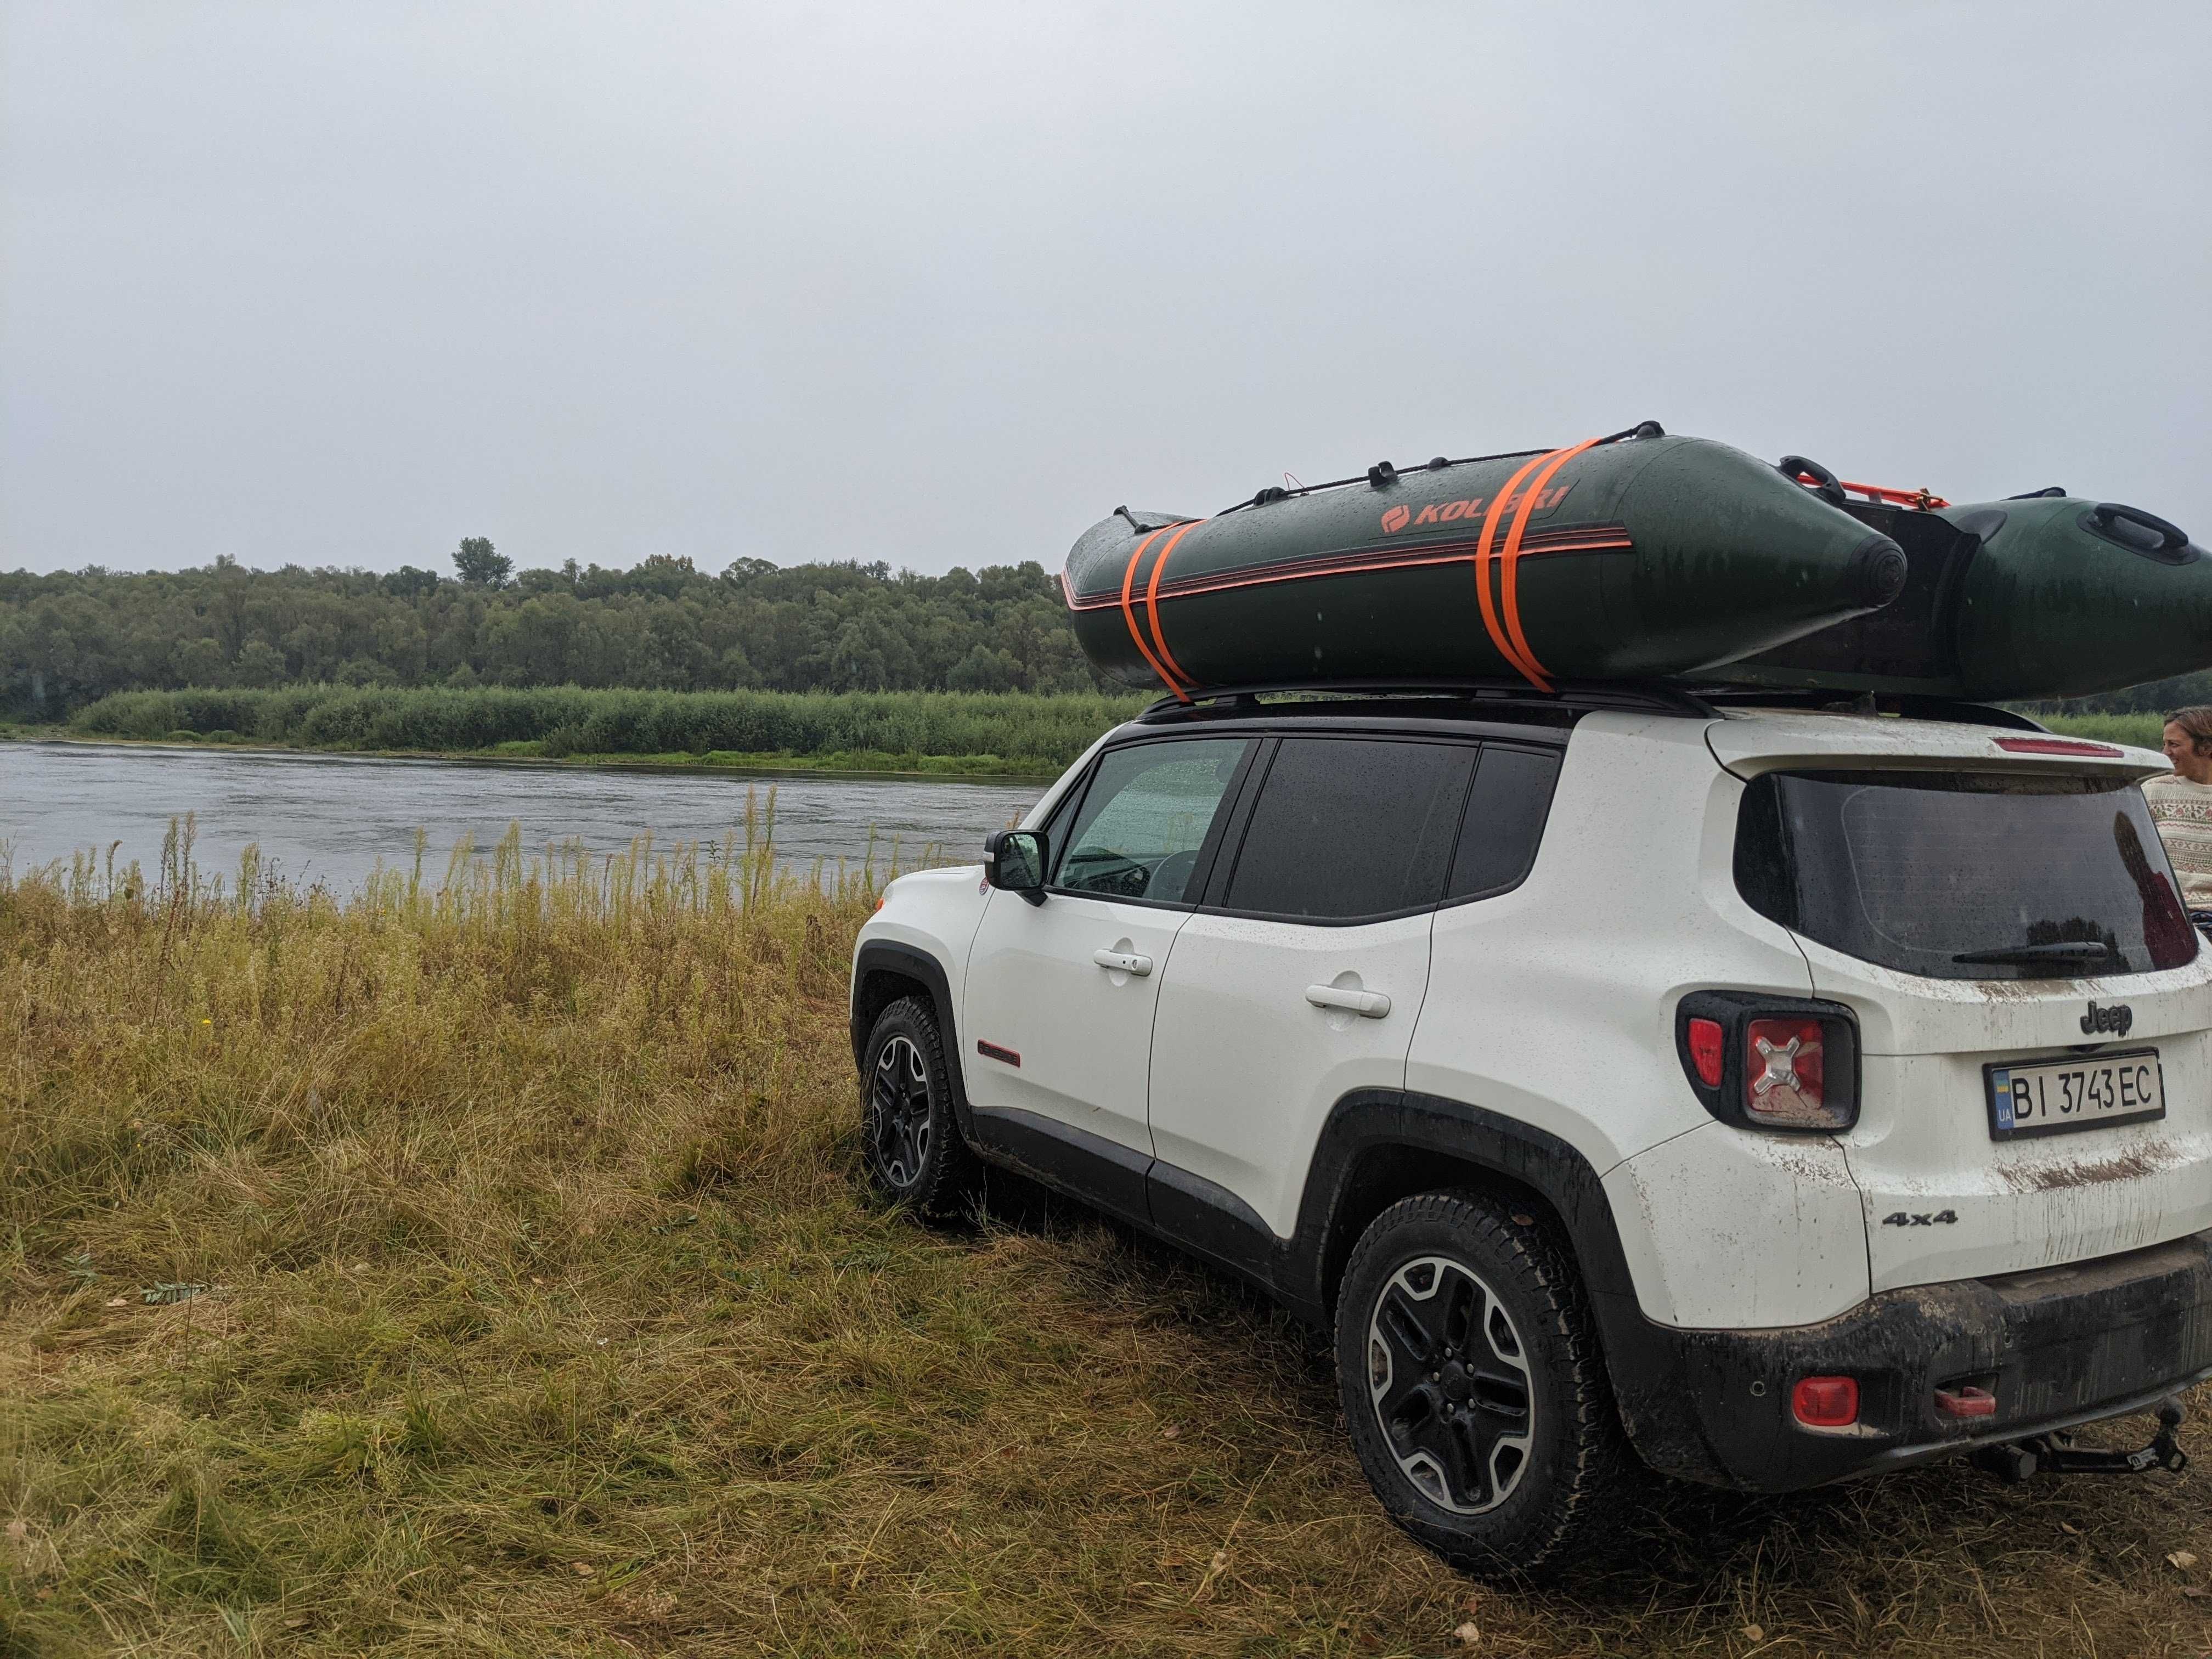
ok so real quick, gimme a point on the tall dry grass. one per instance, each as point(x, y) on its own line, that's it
point(480, 1265)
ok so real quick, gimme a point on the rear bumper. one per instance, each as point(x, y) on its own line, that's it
point(2056, 1347)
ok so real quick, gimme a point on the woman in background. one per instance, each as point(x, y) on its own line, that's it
point(2181, 806)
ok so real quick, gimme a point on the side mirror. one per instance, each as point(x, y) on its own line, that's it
point(1013, 860)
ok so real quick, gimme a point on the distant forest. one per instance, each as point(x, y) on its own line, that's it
point(68, 639)
point(71, 638)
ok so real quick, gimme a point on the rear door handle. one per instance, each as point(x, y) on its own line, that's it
point(1367, 1005)
point(1122, 962)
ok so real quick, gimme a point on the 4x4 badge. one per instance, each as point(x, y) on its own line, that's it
point(2117, 1017)
point(1902, 1218)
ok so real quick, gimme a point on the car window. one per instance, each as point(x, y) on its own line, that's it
point(1992, 876)
point(1145, 817)
point(1350, 827)
point(1505, 815)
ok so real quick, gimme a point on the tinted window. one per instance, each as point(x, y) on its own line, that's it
point(1505, 815)
point(1348, 827)
point(1965, 876)
point(1145, 817)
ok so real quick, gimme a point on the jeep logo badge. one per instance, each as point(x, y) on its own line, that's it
point(2117, 1018)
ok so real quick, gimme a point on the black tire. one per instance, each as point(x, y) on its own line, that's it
point(910, 1138)
point(1499, 1457)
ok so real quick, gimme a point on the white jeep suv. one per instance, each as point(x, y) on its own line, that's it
point(1786, 1094)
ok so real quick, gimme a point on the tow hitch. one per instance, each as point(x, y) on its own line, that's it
point(2057, 1453)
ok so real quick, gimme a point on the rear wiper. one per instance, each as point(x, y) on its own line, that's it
point(2028, 954)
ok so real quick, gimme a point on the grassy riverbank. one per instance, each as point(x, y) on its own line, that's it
point(956, 732)
point(2146, 731)
point(951, 732)
point(487, 1271)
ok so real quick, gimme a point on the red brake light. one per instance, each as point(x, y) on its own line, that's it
point(1784, 1073)
point(1825, 1402)
point(1708, 1050)
point(2058, 746)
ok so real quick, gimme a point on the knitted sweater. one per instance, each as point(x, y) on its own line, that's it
point(2182, 812)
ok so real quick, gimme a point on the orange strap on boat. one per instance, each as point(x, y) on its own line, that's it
point(1129, 616)
point(1153, 604)
point(1498, 636)
point(1923, 499)
point(1509, 596)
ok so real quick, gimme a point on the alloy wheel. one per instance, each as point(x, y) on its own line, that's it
point(1448, 1377)
point(898, 1112)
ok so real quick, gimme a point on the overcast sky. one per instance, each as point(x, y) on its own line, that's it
point(340, 284)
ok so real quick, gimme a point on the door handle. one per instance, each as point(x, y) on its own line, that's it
point(1367, 1005)
point(1122, 962)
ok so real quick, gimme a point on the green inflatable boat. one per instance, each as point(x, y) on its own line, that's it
point(2043, 595)
point(1628, 557)
point(1643, 556)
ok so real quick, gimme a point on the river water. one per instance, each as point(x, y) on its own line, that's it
point(329, 818)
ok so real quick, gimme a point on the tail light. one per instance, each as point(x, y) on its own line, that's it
point(1771, 1063)
point(1708, 1045)
point(1785, 1074)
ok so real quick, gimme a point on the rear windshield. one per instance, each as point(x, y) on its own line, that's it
point(1965, 876)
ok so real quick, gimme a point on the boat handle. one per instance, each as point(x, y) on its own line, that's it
point(1796, 468)
point(1367, 1005)
point(1122, 962)
point(2171, 537)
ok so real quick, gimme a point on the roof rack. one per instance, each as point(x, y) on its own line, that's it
point(1647, 696)
point(1641, 696)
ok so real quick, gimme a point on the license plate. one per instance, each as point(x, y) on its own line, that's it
point(2056, 1097)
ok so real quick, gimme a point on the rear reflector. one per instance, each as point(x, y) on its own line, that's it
point(2058, 746)
point(1708, 1050)
point(1825, 1402)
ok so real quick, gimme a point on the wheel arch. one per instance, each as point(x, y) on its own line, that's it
point(1381, 1145)
point(884, 971)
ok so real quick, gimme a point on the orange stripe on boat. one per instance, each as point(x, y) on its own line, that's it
point(1129, 613)
point(1585, 538)
point(1508, 597)
point(1498, 636)
point(1152, 602)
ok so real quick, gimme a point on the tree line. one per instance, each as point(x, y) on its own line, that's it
point(69, 639)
